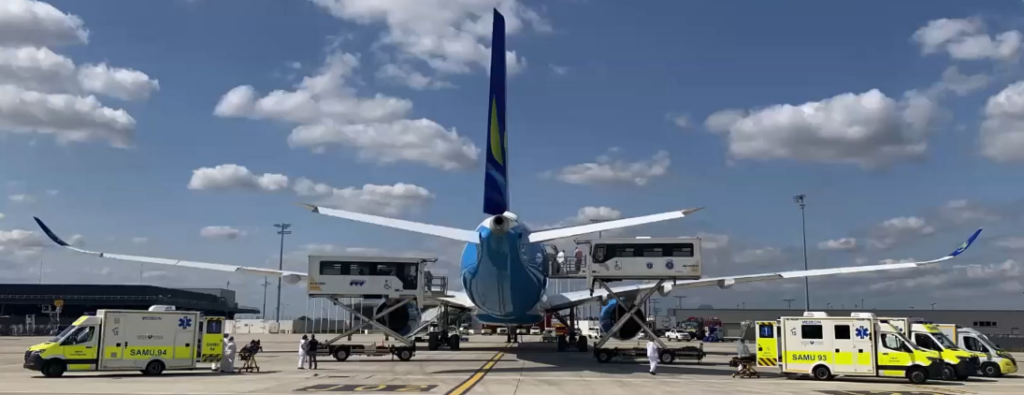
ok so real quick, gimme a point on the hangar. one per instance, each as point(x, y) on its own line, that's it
point(28, 309)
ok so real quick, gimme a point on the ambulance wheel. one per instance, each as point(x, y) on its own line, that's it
point(990, 369)
point(822, 373)
point(667, 356)
point(453, 342)
point(153, 368)
point(948, 373)
point(404, 354)
point(917, 375)
point(604, 356)
point(54, 368)
point(341, 354)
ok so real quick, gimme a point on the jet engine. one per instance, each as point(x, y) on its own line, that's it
point(291, 279)
point(402, 320)
point(611, 313)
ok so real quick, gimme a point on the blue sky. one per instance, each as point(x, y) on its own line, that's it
point(601, 83)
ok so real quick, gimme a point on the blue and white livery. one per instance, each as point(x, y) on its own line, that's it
point(503, 267)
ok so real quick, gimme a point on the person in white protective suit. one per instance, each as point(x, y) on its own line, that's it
point(302, 352)
point(227, 364)
point(652, 355)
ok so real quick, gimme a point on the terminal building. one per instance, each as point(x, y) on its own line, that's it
point(30, 309)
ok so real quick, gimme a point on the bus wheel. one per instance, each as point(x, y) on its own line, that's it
point(990, 369)
point(822, 373)
point(154, 368)
point(54, 369)
point(917, 375)
point(948, 373)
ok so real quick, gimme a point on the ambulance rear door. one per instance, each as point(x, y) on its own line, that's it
point(767, 344)
point(213, 339)
point(115, 339)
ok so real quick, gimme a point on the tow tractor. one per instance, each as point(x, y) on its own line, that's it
point(648, 259)
point(402, 285)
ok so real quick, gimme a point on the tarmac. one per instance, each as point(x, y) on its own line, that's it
point(484, 366)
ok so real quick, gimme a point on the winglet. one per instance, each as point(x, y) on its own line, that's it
point(692, 210)
point(967, 244)
point(311, 207)
point(50, 234)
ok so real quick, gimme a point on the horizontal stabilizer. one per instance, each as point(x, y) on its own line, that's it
point(552, 234)
point(467, 236)
point(170, 262)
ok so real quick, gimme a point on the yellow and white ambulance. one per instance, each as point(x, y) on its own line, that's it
point(959, 363)
point(858, 346)
point(995, 361)
point(118, 340)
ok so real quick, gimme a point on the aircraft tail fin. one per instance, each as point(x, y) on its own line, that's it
point(496, 197)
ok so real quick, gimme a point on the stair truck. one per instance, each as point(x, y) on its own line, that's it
point(995, 361)
point(959, 364)
point(857, 346)
point(118, 340)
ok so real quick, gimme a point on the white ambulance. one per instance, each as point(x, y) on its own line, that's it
point(117, 340)
point(995, 361)
point(860, 346)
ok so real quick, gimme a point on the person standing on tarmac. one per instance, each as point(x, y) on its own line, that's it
point(223, 346)
point(311, 347)
point(652, 355)
point(227, 364)
point(302, 351)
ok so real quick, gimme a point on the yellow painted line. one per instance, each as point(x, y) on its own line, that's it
point(467, 385)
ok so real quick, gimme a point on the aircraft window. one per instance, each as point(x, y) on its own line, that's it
point(972, 343)
point(842, 332)
point(812, 332)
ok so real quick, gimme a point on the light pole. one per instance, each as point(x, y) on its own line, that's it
point(265, 284)
point(933, 306)
point(799, 199)
point(680, 298)
point(280, 266)
point(789, 303)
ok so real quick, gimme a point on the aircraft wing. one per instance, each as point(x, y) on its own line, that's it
point(559, 233)
point(467, 236)
point(569, 299)
point(296, 276)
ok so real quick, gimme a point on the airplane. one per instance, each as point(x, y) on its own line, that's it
point(503, 268)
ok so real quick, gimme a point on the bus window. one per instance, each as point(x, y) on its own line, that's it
point(652, 251)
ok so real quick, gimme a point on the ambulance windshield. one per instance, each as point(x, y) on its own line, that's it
point(62, 334)
point(944, 341)
point(988, 342)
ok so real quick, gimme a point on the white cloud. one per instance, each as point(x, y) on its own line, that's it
point(559, 70)
point(967, 39)
point(681, 121)
point(1002, 131)
point(405, 75)
point(961, 84)
point(42, 91)
point(899, 229)
point(448, 36)
point(2, 215)
point(124, 84)
point(69, 118)
point(607, 171)
point(372, 199)
point(868, 129)
point(1004, 276)
point(961, 211)
point(140, 240)
point(420, 140)
point(22, 198)
point(712, 241)
point(757, 255)
point(840, 244)
point(232, 176)
point(1011, 242)
point(221, 232)
point(330, 112)
point(29, 22)
point(52, 192)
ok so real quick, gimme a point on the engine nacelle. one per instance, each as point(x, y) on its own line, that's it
point(291, 279)
point(611, 313)
point(402, 320)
